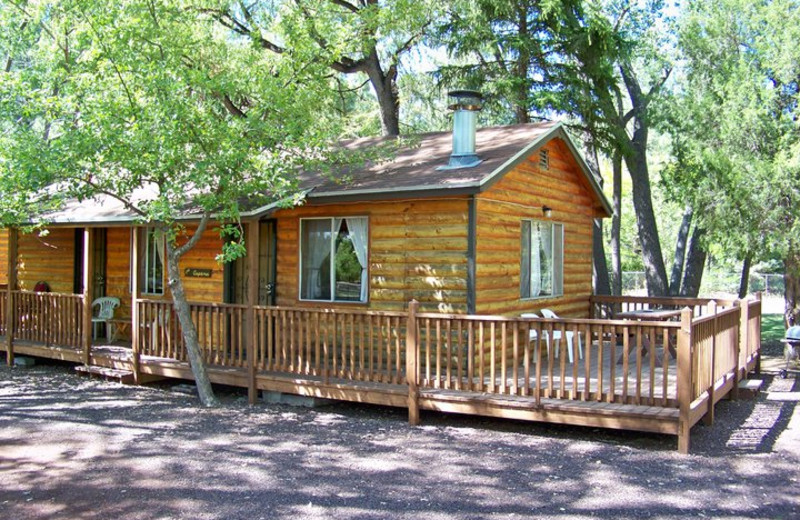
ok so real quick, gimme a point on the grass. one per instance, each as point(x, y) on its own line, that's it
point(772, 328)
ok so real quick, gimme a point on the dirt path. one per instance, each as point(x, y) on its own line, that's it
point(80, 448)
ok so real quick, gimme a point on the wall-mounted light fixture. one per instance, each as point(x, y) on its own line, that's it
point(548, 211)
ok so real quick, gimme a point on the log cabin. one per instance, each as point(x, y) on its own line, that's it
point(400, 282)
point(506, 231)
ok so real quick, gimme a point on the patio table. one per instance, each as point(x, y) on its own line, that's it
point(649, 315)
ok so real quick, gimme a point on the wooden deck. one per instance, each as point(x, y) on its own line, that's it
point(478, 365)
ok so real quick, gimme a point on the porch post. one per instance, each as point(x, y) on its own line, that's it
point(412, 364)
point(88, 290)
point(685, 384)
point(13, 236)
point(251, 331)
point(134, 267)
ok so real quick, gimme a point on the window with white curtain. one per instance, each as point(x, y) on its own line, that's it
point(153, 262)
point(333, 259)
point(542, 259)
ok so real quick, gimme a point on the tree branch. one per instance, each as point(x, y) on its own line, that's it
point(347, 5)
point(198, 234)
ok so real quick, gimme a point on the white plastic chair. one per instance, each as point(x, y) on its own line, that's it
point(105, 312)
point(547, 313)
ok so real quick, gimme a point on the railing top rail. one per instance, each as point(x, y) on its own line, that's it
point(195, 304)
point(318, 310)
point(720, 314)
point(566, 321)
point(661, 300)
point(338, 310)
point(47, 294)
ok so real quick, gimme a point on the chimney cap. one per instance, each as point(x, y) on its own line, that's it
point(465, 100)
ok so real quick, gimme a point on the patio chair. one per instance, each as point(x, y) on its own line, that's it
point(105, 312)
point(547, 313)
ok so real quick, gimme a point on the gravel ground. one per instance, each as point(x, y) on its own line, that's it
point(72, 447)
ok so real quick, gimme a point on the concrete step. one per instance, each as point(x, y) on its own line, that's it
point(109, 374)
point(749, 388)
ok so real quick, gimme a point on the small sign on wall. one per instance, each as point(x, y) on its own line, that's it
point(196, 272)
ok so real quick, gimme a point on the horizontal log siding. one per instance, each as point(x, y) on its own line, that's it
point(118, 263)
point(520, 194)
point(47, 258)
point(204, 256)
point(417, 251)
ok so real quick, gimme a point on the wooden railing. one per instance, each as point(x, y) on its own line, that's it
point(622, 361)
point(608, 307)
point(48, 318)
point(343, 344)
point(685, 366)
point(750, 340)
point(3, 307)
point(220, 332)
point(715, 353)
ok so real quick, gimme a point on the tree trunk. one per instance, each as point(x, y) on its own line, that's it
point(196, 363)
point(385, 86)
point(791, 293)
point(744, 281)
point(695, 264)
point(616, 225)
point(599, 265)
point(680, 252)
point(636, 160)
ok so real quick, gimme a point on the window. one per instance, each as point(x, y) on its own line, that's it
point(153, 262)
point(333, 259)
point(542, 259)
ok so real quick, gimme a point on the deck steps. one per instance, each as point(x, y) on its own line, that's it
point(749, 388)
point(109, 374)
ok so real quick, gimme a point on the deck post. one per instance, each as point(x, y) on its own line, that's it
point(741, 339)
point(88, 290)
point(758, 336)
point(685, 383)
point(708, 418)
point(135, 336)
point(251, 334)
point(412, 364)
point(13, 236)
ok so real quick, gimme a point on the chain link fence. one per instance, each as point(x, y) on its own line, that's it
point(633, 282)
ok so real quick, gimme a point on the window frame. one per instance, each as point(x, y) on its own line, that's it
point(557, 253)
point(332, 253)
point(146, 253)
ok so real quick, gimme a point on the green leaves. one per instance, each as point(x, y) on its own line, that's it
point(152, 103)
point(736, 121)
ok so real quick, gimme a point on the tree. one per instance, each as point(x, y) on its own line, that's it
point(109, 98)
point(362, 37)
point(596, 62)
point(738, 107)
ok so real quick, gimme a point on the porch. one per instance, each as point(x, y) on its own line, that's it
point(646, 375)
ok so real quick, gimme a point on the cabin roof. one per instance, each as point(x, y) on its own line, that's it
point(412, 171)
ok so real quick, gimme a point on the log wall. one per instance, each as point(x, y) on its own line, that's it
point(48, 258)
point(520, 194)
point(417, 251)
point(51, 258)
point(118, 263)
